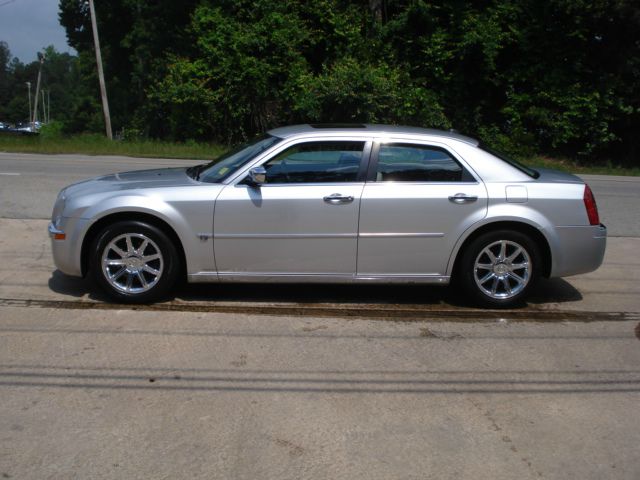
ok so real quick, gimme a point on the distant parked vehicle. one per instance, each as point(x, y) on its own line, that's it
point(4, 126)
point(326, 203)
point(27, 127)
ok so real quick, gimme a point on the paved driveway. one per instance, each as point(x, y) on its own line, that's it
point(245, 382)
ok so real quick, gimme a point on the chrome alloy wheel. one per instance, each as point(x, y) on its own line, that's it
point(132, 263)
point(502, 269)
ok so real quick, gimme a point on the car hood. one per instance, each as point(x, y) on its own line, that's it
point(139, 179)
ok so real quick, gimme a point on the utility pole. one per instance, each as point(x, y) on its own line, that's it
point(29, 90)
point(44, 108)
point(35, 101)
point(103, 88)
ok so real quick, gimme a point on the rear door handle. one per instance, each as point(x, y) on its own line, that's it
point(337, 199)
point(461, 198)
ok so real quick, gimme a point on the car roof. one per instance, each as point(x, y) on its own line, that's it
point(367, 129)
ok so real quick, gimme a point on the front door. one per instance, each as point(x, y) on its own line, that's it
point(302, 221)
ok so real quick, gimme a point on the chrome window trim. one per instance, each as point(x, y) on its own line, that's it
point(373, 161)
point(287, 143)
point(283, 185)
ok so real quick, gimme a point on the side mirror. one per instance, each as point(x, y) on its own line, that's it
point(257, 176)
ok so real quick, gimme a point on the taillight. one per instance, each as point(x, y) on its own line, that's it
point(590, 205)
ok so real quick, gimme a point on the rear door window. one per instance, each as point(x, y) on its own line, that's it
point(399, 162)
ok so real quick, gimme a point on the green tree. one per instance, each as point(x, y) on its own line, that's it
point(574, 78)
point(559, 77)
point(6, 79)
point(61, 82)
point(136, 38)
point(236, 80)
point(14, 101)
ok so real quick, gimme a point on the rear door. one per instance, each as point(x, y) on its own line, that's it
point(417, 202)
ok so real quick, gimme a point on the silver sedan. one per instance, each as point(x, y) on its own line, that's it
point(329, 204)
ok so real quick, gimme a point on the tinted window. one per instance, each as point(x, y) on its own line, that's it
point(222, 167)
point(316, 162)
point(418, 163)
point(514, 163)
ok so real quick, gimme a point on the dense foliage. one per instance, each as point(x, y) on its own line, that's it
point(560, 77)
point(61, 82)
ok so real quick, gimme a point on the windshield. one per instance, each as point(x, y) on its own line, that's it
point(223, 166)
point(514, 163)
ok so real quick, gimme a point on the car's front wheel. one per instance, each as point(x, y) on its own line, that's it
point(498, 269)
point(134, 262)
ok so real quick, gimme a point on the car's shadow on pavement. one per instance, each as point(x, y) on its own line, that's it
point(75, 287)
point(554, 290)
point(548, 291)
point(315, 293)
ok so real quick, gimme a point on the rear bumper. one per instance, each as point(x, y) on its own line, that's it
point(579, 250)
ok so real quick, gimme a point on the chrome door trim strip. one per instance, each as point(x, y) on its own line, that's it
point(431, 278)
point(283, 235)
point(325, 235)
point(401, 235)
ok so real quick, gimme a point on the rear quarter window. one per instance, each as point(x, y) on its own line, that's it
point(514, 163)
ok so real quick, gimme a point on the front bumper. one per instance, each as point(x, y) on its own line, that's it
point(578, 250)
point(55, 233)
point(66, 244)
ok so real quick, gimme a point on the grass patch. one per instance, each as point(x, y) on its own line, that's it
point(93, 144)
point(100, 145)
point(566, 165)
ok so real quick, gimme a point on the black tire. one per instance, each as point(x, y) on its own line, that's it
point(514, 271)
point(134, 262)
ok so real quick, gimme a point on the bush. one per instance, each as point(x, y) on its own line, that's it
point(51, 130)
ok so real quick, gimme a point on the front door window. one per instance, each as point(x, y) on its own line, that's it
point(316, 162)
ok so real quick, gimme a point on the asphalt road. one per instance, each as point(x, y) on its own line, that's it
point(246, 382)
point(30, 183)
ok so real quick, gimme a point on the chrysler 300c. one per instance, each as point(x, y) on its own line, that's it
point(329, 204)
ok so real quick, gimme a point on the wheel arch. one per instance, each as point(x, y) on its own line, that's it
point(526, 229)
point(100, 224)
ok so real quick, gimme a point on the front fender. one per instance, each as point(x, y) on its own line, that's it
point(198, 253)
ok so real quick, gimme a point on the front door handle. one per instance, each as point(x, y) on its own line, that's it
point(461, 198)
point(337, 199)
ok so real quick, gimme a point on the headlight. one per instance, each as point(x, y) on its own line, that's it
point(58, 207)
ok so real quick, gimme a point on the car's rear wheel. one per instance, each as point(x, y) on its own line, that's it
point(134, 262)
point(498, 269)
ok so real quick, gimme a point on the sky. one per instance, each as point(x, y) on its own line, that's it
point(28, 26)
